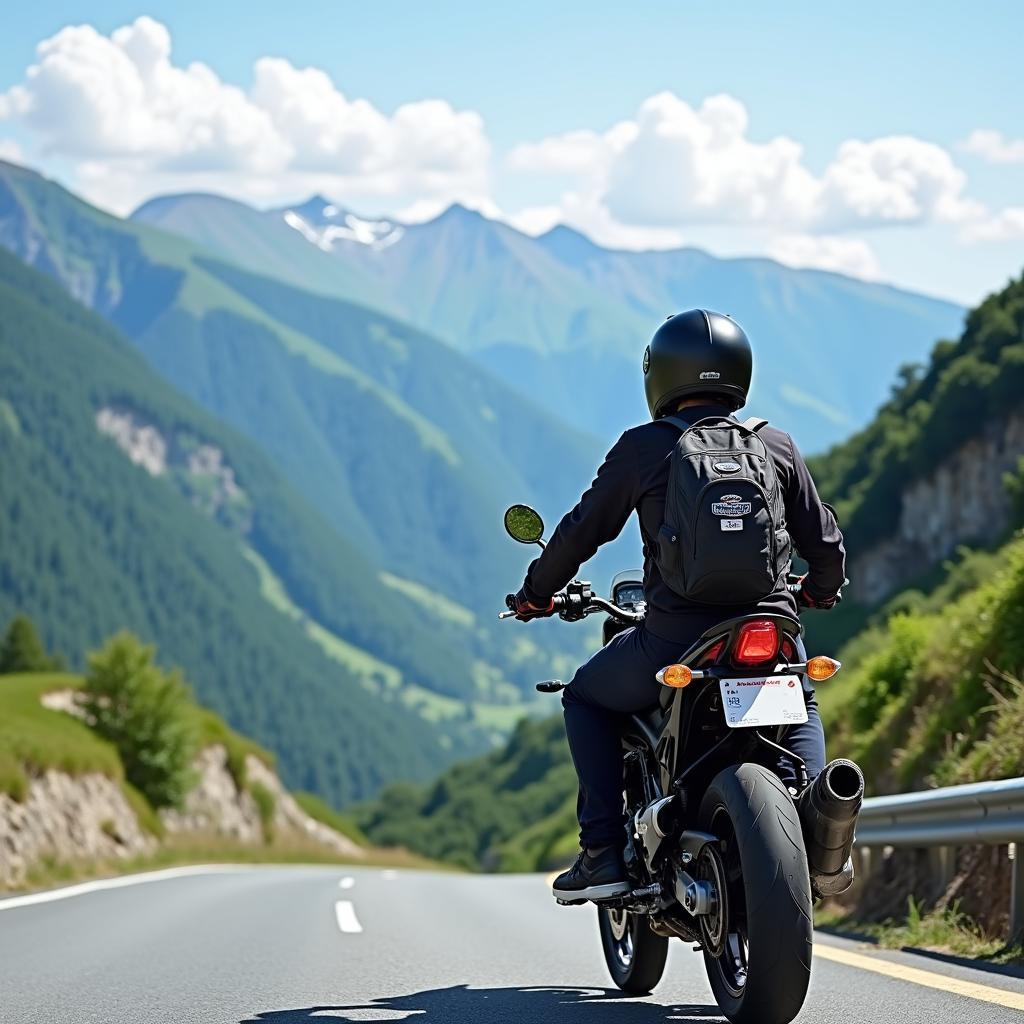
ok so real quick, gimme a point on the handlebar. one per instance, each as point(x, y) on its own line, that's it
point(578, 601)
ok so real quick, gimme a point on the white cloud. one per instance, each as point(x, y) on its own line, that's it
point(893, 180)
point(683, 165)
point(120, 97)
point(676, 166)
point(121, 106)
point(1005, 226)
point(10, 150)
point(994, 147)
point(575, 153)
point(131, 123)
point(422, 210)
point(535, 220)
point(841, 254)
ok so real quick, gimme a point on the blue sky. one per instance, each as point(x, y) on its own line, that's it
point(934, 211)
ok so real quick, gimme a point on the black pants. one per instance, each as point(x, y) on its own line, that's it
point(619, 679)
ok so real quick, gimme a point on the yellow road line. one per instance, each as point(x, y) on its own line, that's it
point(970, 989)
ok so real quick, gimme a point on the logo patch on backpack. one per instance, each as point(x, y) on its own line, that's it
point(731, 506)
point(727, 467)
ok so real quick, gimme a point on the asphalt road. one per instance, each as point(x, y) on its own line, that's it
point(299, 945)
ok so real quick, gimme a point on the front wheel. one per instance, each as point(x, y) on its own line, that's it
point(757, 940)
point(634, 954)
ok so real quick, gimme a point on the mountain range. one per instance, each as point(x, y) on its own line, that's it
point(565, 321)
point(282, 442)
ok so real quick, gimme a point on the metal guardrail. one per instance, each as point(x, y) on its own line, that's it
point(990, 813)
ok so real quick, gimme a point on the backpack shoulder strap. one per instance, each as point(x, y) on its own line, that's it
point(676, 421)
point(754, 423)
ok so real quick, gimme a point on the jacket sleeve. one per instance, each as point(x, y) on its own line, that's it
point(599, 517)
point(815, 532)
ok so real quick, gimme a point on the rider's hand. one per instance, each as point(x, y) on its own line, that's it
point(806, 600)
point(525, 610)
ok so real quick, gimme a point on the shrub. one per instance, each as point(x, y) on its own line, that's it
point(884, 672)
point(147, 714)
point(21, 650)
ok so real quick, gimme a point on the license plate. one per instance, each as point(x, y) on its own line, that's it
point(763, 700)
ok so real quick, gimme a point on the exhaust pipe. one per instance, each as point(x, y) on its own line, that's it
point(828, 811)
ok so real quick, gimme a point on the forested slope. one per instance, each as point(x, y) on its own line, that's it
point(408, 449)
point(91, 543)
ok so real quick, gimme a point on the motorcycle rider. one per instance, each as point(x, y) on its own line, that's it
point(697, 365)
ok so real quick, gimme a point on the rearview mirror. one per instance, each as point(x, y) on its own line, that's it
point(524, 524)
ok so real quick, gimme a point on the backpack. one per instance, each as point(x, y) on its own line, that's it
point(724, 539)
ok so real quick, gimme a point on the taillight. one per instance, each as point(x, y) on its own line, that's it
point(757, 642)
point(713, 653)
point(788, 650)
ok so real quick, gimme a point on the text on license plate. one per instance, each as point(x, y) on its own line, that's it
point(763, 700)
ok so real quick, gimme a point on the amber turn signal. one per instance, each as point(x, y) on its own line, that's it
point(675, 675)
point(822, 667)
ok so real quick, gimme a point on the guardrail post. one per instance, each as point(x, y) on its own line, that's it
point(942, 864)
point(1017, 891)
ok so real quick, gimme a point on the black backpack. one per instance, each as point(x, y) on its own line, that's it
point(724, 540)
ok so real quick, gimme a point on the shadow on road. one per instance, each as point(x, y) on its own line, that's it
point(460, 1003)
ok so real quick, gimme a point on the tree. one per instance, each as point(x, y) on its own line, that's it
point(21, 650)
point(147, 714)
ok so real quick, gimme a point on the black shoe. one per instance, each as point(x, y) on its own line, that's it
point(592, 878)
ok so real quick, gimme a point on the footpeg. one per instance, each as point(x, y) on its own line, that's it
point(650, 892)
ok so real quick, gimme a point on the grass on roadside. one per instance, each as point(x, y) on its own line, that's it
point(948, 931)
point(35, 737)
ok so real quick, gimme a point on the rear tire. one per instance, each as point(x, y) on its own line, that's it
point(762, 974)
point(634, 954)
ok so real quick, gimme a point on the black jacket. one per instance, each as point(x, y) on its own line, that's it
point(634, 477)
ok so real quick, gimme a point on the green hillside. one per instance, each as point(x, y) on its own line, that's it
point(91, 543)
point(408, 449)
point(964, 388)
point(931, 692)
point(565, 320)
point(931, 411)
point(139, 726)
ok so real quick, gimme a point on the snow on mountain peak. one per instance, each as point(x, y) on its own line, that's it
point(338, 225)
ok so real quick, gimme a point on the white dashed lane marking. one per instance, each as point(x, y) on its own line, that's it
point(345, 913)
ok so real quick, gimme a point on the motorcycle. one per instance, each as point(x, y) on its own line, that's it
point(726, 841)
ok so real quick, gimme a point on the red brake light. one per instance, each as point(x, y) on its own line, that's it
point(712, 654)
point(758, 642)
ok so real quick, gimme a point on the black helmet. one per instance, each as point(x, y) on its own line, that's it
point(696, 353)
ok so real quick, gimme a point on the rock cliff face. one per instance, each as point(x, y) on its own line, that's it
point(216, 807)
point(200, 471)
point(86, 818)
point(64, 819)
point(962, 501)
